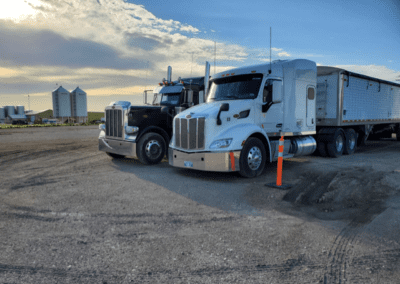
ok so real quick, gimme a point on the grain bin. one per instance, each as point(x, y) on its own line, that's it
point(2, 113)
point(61, 102)
point(10, 110)
point(20, 110)
point(79, 105)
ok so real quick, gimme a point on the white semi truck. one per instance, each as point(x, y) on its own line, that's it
point(249, 108)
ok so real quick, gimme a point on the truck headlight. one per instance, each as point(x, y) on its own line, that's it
point(102, 126)
point(131, 129)
point(222, 143)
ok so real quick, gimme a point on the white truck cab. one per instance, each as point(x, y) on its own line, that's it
point(246, 112)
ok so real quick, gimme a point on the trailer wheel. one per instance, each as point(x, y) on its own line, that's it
point(151, 148)
point(322, 149)
point(115, 156)
point(337, 143)
point(252, 158)
point(351, 141)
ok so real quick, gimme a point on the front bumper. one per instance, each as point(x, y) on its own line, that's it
point(119, 147)
point(205, 161)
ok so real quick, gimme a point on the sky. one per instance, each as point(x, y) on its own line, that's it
point(115, 49)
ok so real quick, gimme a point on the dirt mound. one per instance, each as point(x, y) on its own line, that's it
point(349, 188)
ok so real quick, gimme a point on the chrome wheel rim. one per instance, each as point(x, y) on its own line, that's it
point(352, 142)
point(254, 158)
point(153, 149)
point(339, 143)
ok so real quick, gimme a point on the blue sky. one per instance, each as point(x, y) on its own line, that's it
point(115, 49)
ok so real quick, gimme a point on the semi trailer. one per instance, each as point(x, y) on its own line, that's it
point(144, 131)
point(248, 109)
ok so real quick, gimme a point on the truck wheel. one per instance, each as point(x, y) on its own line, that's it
point(336, 145)
point(252, 158)
point(322, 149)
point(151, 148)
point(351, 141)
point(115, 156)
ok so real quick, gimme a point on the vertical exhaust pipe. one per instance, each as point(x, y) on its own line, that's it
point(206, 80)
point(169, 75)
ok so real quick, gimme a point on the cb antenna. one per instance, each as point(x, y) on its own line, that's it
point(270, 48)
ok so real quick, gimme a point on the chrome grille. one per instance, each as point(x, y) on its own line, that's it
point(189, 133)
point(114, 125)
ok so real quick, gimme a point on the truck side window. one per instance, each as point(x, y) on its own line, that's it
point(267, 92)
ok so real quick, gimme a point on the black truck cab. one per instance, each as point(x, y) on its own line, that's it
point(144, 131)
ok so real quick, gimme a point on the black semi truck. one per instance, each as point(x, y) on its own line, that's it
point(144, 131)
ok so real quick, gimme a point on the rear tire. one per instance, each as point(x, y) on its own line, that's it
point(252, 158)
point(337, 143)
point(322, 149)
point(151, 148)
point(115, 156)
point(351, 142)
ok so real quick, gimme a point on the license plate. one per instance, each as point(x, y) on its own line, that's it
point(188, 164)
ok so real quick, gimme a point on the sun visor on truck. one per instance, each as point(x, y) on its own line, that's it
point(168, 89)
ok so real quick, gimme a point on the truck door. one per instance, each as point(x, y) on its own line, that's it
point(310, 105)
point(271, 115)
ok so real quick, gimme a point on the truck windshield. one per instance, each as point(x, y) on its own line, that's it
point(235, 88)
point(170, 99)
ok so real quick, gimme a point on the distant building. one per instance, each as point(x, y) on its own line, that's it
point(61, 103)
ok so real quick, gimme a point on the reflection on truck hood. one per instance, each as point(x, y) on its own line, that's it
point(211, 109)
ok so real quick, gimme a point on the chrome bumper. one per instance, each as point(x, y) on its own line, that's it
point(118, 147)
point(205, 161)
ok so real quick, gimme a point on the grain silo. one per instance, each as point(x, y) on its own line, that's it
point(20, 110)
point(10, 110)
point(79, 105)
point(61, 104)
point(2, 114)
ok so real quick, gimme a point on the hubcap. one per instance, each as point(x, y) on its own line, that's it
point(339, 143)
point(352, 142)
point(153, 149)
point(254, 158)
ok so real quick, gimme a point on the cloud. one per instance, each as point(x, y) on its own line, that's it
point(283, 54)
point(377, 71)
point(33, 47)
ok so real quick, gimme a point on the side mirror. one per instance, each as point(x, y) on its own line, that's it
point(223, 107)
point(277, 92)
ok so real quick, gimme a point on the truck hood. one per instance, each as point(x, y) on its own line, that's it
point(210, 110)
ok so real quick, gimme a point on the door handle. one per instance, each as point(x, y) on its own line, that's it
point(279, 125)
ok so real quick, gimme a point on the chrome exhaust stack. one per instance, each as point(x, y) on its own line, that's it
point(169, 75)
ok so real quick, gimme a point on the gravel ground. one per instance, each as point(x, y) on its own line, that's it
point(71, 214)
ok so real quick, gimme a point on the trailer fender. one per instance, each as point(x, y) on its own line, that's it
point(240, 133)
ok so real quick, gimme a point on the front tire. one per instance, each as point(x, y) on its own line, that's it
point(115, 156)
point(351, 142)
point(252, 158)
point(336, 144)
point(398, 133)
point(151, 148)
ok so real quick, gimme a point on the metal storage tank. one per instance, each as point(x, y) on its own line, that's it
point(10, 110)
point(61, 103)
point(2, 113)
point(20, 110)
point(79, 104)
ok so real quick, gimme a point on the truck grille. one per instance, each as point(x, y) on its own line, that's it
point(114, 125)
point(189, 133)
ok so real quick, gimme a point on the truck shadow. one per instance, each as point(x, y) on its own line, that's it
point(225, 191)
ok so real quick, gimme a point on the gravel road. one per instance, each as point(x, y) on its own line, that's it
point(71, 214)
